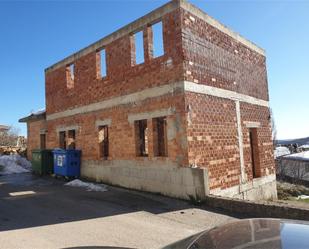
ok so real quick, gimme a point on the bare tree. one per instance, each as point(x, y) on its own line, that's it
point(273, 128)
point(9, 137)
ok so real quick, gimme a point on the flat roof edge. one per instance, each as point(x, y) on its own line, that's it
point(213, 22)
point(32, 117)
point(152, 17)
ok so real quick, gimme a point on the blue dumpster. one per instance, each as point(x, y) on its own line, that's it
point(67, 162)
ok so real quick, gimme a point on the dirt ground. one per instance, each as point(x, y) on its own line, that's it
point(288, 193)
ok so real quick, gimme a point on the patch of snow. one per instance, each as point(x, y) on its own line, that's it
point(281, 151)
point(300, 156)
point(303, 197)
point(305, 146)
point(89, 186)
point(14, 164)
point(38, 112)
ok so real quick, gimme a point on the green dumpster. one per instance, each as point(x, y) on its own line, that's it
point(42, 162)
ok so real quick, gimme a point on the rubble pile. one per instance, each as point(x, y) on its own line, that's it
point(12, 150)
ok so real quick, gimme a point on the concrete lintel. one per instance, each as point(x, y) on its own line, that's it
point(104, 122)
point(67, 128)
point(154, 92)
point(121, 100)
point(252, 124)
point(149, 115)
point(43, 131)
point(222, 93)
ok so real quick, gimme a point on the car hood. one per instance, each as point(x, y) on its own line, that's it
point(250, 234)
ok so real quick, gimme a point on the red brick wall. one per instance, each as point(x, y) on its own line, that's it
point(123, 77)
point(266, 157)
point(212, 138)
point(205, 126)
point(33, 136)
point(220, 61)
point(121, 131)
point(213, 58)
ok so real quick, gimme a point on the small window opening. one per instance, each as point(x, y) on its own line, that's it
point(103, 70)
point(160, 136)
point(254, 149)
point(158, 46)
point(71, 140)
point(139, 47)
point(62, 140)
point(141, 132)
point(103, 142)
point(43, 141)
point(70, 75)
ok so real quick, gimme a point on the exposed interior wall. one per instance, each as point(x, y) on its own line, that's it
point(124, 76)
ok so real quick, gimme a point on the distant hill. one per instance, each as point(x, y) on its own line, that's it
point(299, 141)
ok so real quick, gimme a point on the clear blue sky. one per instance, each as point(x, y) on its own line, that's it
point(34, 35)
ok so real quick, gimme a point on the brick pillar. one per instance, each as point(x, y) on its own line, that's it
point(133, 50)
point(148, 43)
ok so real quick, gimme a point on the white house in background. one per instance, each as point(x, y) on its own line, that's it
point(295, 166)
point(4, 128)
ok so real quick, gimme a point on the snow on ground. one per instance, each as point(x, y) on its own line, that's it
point(305, 146)
point(38, 112)
point(14, 164)
point(303, 197)
point(301, 156)
point(89, 186)
point(281, 151)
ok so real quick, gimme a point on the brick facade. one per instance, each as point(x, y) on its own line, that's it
point(209, 91)
point(35, 128)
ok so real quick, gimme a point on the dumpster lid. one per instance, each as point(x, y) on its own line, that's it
point(41, 150)
point(58, 150)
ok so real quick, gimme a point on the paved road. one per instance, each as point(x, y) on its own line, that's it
point(51, 215)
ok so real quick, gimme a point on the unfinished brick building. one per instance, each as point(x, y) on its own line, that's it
point(191, 121)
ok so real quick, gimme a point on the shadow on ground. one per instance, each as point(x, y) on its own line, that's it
point(49, 202)
point(97, 247)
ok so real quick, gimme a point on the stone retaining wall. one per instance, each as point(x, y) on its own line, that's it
point(265, 209)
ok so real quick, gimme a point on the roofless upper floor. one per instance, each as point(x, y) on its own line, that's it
point(161, 47)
